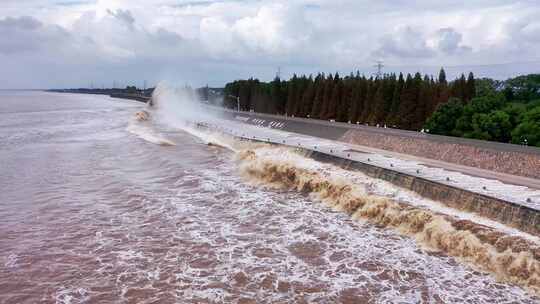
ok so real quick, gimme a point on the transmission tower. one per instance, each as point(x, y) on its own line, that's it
point(379, 66)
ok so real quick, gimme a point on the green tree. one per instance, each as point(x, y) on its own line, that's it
point(367, 104)
point(528, 131)
point(443, 120)
point(486, 87)
point(345, 101)
point(442, 77)
point(480, 105)
point(356, 101)
point(442, 92)
point(470, 87)
point(515, 111)
point(524, 88)
point(327, 97)
point(493, 126)
point(308, 97)
point(278, 96)
point(376, 114)
point(459, 89)
point(292, 88)
point(422, 104)
point(409, 101)
point(333, 105)
point(393, 115)
point(319, 97)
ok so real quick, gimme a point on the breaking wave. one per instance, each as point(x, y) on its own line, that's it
point(143, 130)
point(509, 257)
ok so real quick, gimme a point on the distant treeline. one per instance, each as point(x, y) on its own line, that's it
point(399, 101)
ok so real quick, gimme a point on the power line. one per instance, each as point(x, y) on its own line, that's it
point(379, 66)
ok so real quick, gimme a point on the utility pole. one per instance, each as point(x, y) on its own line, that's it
point(379, 67)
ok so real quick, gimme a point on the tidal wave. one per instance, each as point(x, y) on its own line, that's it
point(145, 131)
point(509, 257)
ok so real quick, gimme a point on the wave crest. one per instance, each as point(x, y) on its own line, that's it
point(510, 258)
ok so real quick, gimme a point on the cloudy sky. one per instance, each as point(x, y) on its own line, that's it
point(72, 43)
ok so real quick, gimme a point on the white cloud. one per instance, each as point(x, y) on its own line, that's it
point(449, 41)
point(404, 43)
point(216, 41)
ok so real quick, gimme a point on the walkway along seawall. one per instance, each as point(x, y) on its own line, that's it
point(513, 214)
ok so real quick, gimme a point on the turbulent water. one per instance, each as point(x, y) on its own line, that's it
point(97, 208)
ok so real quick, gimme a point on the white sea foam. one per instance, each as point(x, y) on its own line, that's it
point(67, 295)
point(508, 257)
point(145, 131)
point(11, 261)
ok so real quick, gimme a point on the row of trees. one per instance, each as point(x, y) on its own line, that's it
point(400, 101)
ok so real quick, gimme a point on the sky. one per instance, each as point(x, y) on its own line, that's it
point(82, 43)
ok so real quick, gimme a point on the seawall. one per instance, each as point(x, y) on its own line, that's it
point(512, 214)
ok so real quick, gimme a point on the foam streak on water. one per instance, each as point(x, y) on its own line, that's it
point(94, 214)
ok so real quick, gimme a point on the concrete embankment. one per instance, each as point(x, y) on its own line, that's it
point(492, 156)
point(523, 215)
point(518, 216)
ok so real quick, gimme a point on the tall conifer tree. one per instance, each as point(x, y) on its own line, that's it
point(393, 115)
point(471, 87)
point(319, 97)
point(327, 98)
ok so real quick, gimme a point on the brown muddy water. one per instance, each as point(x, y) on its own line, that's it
point(91, 213)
